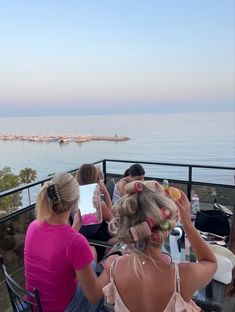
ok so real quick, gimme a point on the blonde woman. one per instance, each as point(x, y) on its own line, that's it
point(143, 280)
point(56, 256)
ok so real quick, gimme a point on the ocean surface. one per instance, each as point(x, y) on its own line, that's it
point(188, 138)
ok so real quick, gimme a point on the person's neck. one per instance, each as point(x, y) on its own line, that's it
point(155, 252)
point(57, 219)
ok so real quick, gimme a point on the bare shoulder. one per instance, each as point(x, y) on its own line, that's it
point(194, 276)
point(108, 262)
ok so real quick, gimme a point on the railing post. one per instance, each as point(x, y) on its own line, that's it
point(189, 185)
point(104, 170)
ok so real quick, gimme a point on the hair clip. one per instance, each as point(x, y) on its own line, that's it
point(53, 193)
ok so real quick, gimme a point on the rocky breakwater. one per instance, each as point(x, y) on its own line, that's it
point(79, 138)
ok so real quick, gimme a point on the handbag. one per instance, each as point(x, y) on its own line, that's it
point(213, 221)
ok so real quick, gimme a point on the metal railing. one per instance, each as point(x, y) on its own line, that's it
point(188, 183)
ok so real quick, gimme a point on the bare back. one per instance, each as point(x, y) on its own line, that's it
point(157, 289)
point(151, 293)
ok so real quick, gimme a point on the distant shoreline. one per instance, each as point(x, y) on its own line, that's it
point(80, 138)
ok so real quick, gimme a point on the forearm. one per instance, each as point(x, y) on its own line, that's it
point(107, 200)
point(199, 246)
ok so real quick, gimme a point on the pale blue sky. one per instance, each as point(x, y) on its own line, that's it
point(71, 57)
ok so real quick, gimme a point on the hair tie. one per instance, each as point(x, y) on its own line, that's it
point(53, 193)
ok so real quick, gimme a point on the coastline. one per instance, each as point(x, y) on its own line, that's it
point(80, 138)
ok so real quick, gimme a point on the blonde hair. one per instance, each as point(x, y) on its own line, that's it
point(57, 196)
point(87, 174)
point(142, 218)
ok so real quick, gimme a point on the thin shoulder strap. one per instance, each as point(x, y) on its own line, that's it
point(112, 269)
point(177, 278)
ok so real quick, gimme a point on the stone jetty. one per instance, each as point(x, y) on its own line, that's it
point(79, 138)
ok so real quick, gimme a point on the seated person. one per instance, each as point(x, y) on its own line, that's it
point(143, 280)
point(119, 188)
point(136, 172)
point(58, 260)
point(88, 174)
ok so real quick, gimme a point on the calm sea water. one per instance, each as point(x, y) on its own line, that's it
point(190, 138)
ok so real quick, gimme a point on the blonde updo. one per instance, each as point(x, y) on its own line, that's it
point(57, 196)
point(143, 217)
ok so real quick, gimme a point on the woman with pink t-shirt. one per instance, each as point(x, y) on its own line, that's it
point(58, 260)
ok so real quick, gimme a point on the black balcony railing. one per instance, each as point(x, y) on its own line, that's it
point(112, 168)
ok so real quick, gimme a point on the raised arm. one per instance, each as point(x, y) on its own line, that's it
point(195, 275)
point(106, 204)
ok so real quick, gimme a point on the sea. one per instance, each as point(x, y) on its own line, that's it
point(206, 138)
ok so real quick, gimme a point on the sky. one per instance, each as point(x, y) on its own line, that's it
point(72, 57)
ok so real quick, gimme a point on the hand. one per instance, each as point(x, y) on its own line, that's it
point(102, 187)
point(77, 220)
point(183, 205)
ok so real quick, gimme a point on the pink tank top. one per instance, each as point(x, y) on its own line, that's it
point(176, 302)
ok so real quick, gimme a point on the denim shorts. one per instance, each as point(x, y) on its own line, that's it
point(79, 303)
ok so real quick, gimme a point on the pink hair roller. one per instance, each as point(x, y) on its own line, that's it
point(134, 233)
point(165, 213)
point(154, 237)
point(145, 227)
point(151, 222)
point(137, 187)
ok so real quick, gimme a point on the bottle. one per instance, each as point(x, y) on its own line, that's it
point(195, 204)
point(165, 184)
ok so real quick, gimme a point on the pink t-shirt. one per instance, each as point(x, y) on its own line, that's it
point(52, 254)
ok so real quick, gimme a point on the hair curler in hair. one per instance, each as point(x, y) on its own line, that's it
point(165, 213)
point(142, 228)
point(134, 187)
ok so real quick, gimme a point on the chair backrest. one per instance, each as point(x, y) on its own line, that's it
point(21, 299)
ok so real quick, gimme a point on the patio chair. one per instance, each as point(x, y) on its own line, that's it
point(21, 299)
